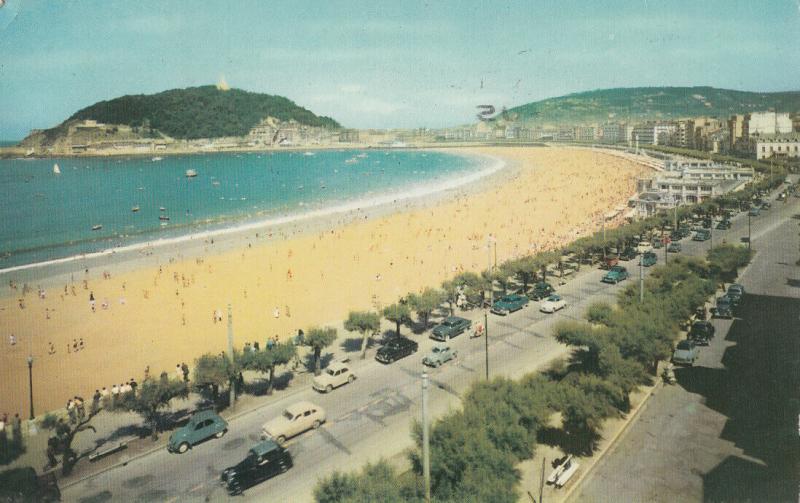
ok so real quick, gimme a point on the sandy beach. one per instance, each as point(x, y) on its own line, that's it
point(159, 311)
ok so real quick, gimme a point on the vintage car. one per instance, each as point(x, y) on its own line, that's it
point(398, 347)
point(263, 461)
point(296, 419)
point(440, 354)
point(552, 304)
point(674, 247)
point(203, 425)
point(509, 303)
point(648, 258)
point(450, 327)
point(540, 290)
point(335, 375)
point(701, 332)
point(702, 235)
point(735, 293)
point(724, 307)
point(685, 353)
point(615, 275)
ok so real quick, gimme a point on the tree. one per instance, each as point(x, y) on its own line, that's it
point(450, 289)
point(375, 482)
point(265, 361)
point(398, 313)
point(366, 323)
point(600, 313)
point(424, 304)
point(213, 371)
point(64, 434)
point(318, 338)
point(150, 397)
point(524, 268)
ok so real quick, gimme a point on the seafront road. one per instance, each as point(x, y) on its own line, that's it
point(372, 417)
point(728, 430)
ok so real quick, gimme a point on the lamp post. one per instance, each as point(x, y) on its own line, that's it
point(30, 383)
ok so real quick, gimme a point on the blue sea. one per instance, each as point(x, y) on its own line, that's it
point(46, 216)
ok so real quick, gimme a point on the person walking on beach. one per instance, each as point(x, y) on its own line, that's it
point(12, 339)
point(185, 370)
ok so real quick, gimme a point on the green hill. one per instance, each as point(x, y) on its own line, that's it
point(641, 103)
point(199, 112)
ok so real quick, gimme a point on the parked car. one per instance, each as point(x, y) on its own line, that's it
point(628, 254)
point(398, 347)
point(658, 243)
point(754, 211)
point(203, 425)
point(615, 275)
point(702, 235)
point(509, 303)
point(685, 353)
point(451, 327)
point(552, 304)
point(674, 247)
point(724, 225)
point(648, 258)
point(735, 293)
point(644, 246)
point(609, 262)
point(439, 354)
point(335, 375)
point(541, 290)
point(263, 462)
point(702, 332)
point(295, 420)
point(724, 308)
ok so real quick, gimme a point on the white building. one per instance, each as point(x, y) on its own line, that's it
point(780, 146)
point(761, 123)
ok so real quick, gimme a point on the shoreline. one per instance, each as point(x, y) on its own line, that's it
point(222, 239)
point(157, 309)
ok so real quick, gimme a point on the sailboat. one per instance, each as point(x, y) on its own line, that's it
point(56, 169)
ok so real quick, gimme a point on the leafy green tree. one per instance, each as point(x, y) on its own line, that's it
point(600, 313)
point(450, 294)
point(375, 482)
point(725, 260)
point(64, 434)
point(364, 322)
point(266, 361)
point(425, 303)
point(525, 269)
point(398, 313)
point(212, 371)
point(150, 397)
point(318, 338)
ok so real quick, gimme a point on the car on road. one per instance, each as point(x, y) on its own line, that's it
point(702, 235)
point(396, 348)
point(262, 462)
point(723, 225)
point(644, 246)
point(735, 293)
point(628, 254)
point(724, 307)
point(294, 420)
point(648, 258)
point(440, 354)
point(509, 303)
point(335, 375)
point(615, 275)
point(552, 304)
point(701, 332)
point(203, 425)
point(541, 290)
point(450, 327)
point(658, 243)
point(674, 247)
point(754, 211)
point(685, 353)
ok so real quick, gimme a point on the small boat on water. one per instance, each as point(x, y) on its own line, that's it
point(215, 183)
point(163, 218)
point(362, 155)
point(135, 209)
point(190, 173)
point(156, 159)
point(162, 209)
point(352, 160)
point(56, 169)
point(97, 227)
point(308, 153)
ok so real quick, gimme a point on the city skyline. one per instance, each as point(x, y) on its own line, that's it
point(409, 65)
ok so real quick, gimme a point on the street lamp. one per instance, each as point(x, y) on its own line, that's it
point(30, 383)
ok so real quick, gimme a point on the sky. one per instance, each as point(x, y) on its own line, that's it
point(383, 64)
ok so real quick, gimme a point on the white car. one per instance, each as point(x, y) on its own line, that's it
point(552, 304)
point(295, 420)
point(337, 374)
point(644, 246)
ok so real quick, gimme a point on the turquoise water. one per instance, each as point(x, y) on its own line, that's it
point(44, 216)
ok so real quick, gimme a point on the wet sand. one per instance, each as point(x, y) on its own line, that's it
point(160, 307)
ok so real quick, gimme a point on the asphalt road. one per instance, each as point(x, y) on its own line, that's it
point(728, 431)
point(368, 419)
